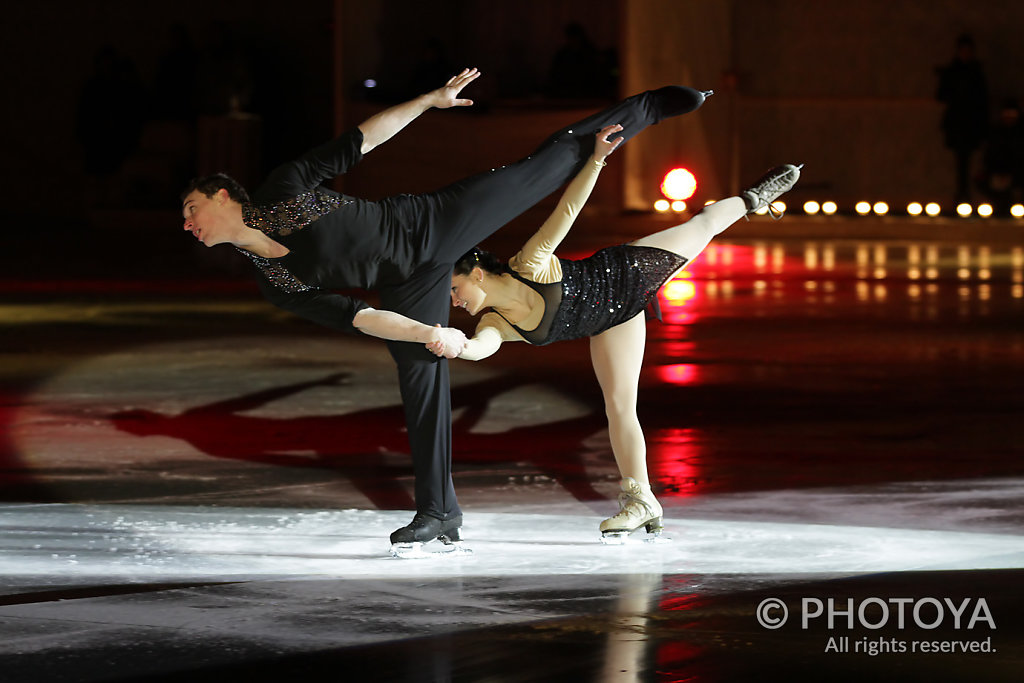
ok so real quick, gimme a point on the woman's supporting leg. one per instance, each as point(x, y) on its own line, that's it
point(618, 355)
point(689, 239)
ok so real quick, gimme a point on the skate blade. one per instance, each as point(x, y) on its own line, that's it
point(426, 551)
point(624, 537)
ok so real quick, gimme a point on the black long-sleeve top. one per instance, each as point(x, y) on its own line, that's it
point(334, 241)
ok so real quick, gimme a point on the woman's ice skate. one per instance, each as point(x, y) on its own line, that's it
point(770, 187)
point(407, 542)
point(637, 508)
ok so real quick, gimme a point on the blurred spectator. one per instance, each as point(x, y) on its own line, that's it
point(112, 109)
point(1002, 176)
point(579, 70)
point(964, 91)
point(225, 73)
point(176, 70)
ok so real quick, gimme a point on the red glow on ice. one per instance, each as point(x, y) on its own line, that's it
point(680, 373)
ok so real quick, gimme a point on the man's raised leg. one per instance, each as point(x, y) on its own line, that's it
point(467, 212)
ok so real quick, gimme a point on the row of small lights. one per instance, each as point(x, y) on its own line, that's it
point(812, 208)
point(678, 206)
point(916, 209)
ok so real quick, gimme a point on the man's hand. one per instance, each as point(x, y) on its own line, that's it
point(448, 95)
point(447, 342)
point(383, 126)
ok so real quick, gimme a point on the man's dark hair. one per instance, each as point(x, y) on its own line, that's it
point(210, 184)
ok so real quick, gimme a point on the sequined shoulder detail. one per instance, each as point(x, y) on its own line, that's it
point(601, 291)
point(285, 217)
point(278, 275)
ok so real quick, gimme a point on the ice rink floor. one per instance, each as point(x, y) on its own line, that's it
point(196, 487)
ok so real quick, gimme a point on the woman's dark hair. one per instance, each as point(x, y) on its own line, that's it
point(478, 257)
point(209, 184)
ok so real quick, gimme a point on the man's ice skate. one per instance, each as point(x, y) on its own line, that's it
point(409, 541)
point(638, 508)
point(770, 187)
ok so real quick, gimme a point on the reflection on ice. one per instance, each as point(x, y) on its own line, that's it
point(148, 542)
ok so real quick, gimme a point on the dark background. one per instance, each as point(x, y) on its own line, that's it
point(95, 162)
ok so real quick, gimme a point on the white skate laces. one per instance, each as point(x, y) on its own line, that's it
point(638, 508)
point(770, 187)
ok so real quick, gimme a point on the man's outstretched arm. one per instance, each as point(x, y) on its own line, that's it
point(381, 127)
point(333, 158)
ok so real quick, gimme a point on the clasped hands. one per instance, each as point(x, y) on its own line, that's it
point(447, 342)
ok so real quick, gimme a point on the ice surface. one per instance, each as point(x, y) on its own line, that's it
point(146, 543)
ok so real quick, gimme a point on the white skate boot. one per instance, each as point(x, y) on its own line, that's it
point(637, 508)
point(770, 187)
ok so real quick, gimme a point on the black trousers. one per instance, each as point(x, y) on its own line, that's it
point(457, 218)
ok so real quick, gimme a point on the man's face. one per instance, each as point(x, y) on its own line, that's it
point(206, 217)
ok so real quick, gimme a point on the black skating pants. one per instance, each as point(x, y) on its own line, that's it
point(458, 217)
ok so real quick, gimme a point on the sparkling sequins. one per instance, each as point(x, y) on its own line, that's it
point(278, 275)
point(284, 218)
point(281, 220)
point(601, 291)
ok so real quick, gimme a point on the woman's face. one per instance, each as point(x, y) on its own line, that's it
point(467, 293)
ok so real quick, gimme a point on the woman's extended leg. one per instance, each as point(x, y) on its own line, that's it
point(689, 239)
point(617, 355)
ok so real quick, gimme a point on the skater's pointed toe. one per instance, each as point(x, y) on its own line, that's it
point(770, 187)
point(674, 100)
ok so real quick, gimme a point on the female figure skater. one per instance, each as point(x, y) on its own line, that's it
point(540, 299)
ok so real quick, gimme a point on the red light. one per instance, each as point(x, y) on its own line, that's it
point(679, 290)
point(678, 184)
point(680, 373)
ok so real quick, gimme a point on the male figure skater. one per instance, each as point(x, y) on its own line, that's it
point(306, 241)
